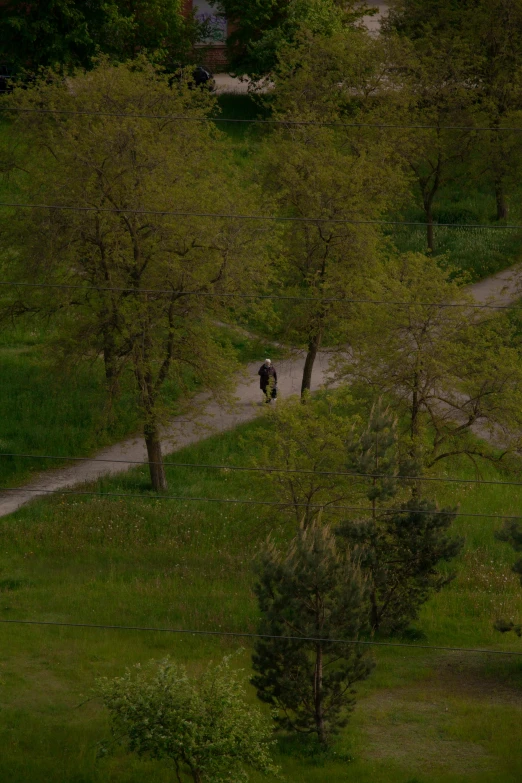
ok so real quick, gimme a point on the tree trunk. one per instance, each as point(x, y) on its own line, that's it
point(313, 347)
point(502, 207)
point(374, 612)
point(429, 228)
point(318, 695)
point(414, 432)
point(155, 456)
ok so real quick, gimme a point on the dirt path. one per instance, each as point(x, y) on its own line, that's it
point(502, 288)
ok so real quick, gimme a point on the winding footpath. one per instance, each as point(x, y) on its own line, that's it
point(500, 289)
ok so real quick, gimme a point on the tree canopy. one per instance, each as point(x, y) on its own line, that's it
point(202, 724)
point(113, 244)
point(67, 34)
point(262, 29)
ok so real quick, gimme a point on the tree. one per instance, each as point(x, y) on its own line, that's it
point(399, 553)
point(307, 443)
point(334, 180)
point(486, 37)
point(261, 29)
point(437, 68)
point(449, 371)
point(375, 454)
point(495, 28)
point(137, 279)
point(314, 591)
point(66, 34)
point(321, 181)
point(203, 724)
point(321, 454)
point(511, 534)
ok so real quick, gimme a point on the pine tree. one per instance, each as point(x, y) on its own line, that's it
point(399, 553)
point(315, 592)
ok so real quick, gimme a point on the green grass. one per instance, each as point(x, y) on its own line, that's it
point(476, 252)
point(426, 716)
point(44, 412)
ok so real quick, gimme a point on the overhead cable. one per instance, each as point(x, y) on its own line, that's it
point(259, 121)
point(204, 466)
point(274, 218)
point(275, 297)
point(236, 501)
point(240, 634)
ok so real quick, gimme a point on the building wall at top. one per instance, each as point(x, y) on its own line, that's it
point(213, 53)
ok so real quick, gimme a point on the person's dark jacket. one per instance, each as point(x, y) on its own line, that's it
point(265, 374)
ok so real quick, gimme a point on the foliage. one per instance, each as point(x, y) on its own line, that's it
point(511, 534)
point(316, 592)
point(450, 371)
point(479, 44)
point(311, 440)
point(202, 724)
point(399, 553)
point(140, 562)
point(66, 34)
point(335, 184)
point(374, 453)
point(126, 173)
point(262, 29)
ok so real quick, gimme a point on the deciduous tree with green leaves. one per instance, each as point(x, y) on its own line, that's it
point(310, 594)
point(334, 179)
point(136, 279)
point(306, 444)
point(202, 724)
point(313, 175)
point(478, 46)
point(262, 29)
point(450, 372)
point(66, 34)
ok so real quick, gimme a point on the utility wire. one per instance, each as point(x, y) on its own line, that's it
point(204, 466)
point(275, 218)
point(239, 634)
point(236, 501)
point(256, 121)
point(275, 297)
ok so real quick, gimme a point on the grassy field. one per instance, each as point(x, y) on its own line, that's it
point(476, 252)
point(44, 412)
point(423, 716)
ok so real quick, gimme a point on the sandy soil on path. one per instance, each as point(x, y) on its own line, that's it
point(501, 289)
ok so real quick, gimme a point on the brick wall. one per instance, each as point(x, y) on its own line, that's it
point(213, 57)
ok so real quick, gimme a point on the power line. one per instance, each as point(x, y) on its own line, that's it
point(204, 466)
point(258, 121)
point(275, 297)
point(276, 218)
point(246, 635)
point(236, 501)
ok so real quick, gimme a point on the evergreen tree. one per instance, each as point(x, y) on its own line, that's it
point(375, 454)
point(312, 592)
point(511, 534)
point(399, 553)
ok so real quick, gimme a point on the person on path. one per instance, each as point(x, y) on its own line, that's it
point(268, 380)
